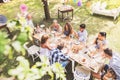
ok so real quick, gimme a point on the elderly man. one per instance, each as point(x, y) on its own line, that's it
point(58, 56)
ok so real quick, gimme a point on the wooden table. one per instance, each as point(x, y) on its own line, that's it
point(65, 9)
point(89, 63)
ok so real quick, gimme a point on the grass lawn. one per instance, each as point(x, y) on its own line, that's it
point(95, 23)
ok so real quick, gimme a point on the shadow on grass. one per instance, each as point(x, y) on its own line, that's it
point(103, 17)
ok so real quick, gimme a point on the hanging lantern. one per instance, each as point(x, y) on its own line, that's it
point(88, 4)
point(23, 8)
point(79, 3)
point(70, 1)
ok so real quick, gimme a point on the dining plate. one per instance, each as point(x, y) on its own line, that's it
point(77, 42)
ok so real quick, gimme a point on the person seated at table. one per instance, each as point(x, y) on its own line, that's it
point(68, 30)
point(44, 45)
point(101, 42)
point(114, 60)
point(109, 75)
point(58, 56)
point(37, 29)
point(82, 33)
point(55, 26)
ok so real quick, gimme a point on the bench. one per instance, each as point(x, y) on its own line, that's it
point(100, 8)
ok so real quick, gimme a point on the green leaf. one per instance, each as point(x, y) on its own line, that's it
point(17, 46)
point(3, 42)
point(22, 37)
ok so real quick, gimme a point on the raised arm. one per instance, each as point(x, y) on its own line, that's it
point(50, 27)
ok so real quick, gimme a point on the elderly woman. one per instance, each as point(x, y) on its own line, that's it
point(55, 26)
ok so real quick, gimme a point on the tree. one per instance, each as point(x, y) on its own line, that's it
point(46, 9)
point(4, 1)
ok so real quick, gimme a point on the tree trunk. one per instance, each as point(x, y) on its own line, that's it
point(1, 1)
point(46, 9)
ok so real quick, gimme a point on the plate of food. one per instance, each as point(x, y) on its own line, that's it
point(63, 36)
point(77, 42)
point(42, 26)
point(83, 60)
point(52, 32)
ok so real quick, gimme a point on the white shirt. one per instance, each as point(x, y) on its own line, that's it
point(30, 23)
point(82, 36)
point(44, 51)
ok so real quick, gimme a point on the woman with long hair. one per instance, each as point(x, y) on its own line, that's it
point(101, 41)
point(68, 29)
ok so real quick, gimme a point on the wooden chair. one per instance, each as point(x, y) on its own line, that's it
point(81, 74)
point(33, 51)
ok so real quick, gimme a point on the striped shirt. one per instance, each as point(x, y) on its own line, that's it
point(57, 56)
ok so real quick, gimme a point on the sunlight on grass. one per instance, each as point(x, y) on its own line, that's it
point(114, 38)
point(95, 23)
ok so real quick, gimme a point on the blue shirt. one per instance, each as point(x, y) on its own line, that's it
point(67, 33)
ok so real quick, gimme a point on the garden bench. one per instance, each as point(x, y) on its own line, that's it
point(100, 8)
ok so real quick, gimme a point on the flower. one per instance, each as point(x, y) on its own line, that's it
point(23, 8)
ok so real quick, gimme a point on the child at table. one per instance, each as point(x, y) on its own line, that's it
point(109, 75)
point(82, 34)
point(37, 29)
